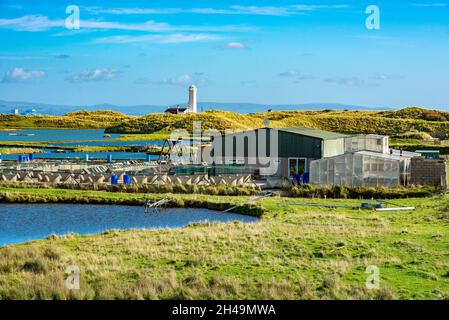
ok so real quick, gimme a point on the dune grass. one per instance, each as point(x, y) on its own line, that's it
point(160, 135)
point(293, 252)
point(73, 120)
point(19, 150)
point(158, 126)
point(393, 123)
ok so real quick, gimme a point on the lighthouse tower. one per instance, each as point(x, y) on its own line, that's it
point(192, 98)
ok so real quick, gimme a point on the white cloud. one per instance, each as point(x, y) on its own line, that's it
point(160, 38)
point(181, 80)
point(37, 23)
point(21, 75)
point(297, 76)
point(346, 81)
point(61, 56)
point(119, 11)
point(306, 7)
point(234, 46)
point(383, 76)
point(431, 5)
point(97, 74)
point(290, 73)
point(232, 10)
point(33, 23)
point(198, 78)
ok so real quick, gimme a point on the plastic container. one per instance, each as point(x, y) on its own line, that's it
point(126, 179)
point(114, 180)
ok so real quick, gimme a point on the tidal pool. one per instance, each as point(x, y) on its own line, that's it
point(24, 222)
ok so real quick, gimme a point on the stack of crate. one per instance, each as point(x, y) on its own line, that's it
point(428, 172)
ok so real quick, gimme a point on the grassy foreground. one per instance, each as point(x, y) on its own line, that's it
point(293, 252)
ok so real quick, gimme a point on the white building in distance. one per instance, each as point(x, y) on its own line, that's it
point(191, 106)
point(192, 98)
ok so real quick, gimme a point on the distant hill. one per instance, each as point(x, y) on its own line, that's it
point(404, 123)
point(6, 107)
point(397, 124)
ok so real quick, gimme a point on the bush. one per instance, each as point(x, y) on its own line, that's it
point(345, 192)
point(34, 266)
point(414, 135)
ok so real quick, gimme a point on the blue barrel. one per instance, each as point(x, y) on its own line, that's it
point(379, 206)
point(296, 179)
point(20, 158)
point(109, 158)
point(126, 179)
point(366, 205)
point(31, 156)
point(114, 180)
point(148, 157)
point(86, 157)
point(305, 177)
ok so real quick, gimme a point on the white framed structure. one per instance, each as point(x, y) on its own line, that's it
point(363, 168)
point(368, 142)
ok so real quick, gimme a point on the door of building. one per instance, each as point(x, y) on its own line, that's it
point(296, 168)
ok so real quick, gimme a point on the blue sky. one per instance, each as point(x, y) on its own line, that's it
point(271, 52)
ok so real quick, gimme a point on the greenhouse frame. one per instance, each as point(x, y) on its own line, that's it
point(363, 168)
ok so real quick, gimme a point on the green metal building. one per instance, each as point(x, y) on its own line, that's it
point(288, 150)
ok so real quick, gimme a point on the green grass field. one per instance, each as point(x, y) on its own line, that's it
point(293, 252)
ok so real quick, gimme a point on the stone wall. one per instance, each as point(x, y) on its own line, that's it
point(428, 172)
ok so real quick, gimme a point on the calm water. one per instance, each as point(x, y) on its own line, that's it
point(80, 155)
point(56, 134)
point(68, 137)
point(113, 143)
point(24, 222)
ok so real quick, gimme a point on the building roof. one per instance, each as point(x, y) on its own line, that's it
point(176, 109)
point(427, 151)
point(388, 156)
point(315, 133)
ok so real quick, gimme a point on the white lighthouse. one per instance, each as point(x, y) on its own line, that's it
point(192, 98)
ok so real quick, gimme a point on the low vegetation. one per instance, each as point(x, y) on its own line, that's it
point(293, 252)
point(417, 114)
point(407, 121)
point(344, 192)
point(221, 190)
point(303, 191)
point(393, 123)
point(414, 144)
point(19, 150)
point(160, 135)
point(73, 120)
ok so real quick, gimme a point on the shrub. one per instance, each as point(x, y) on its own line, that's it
point(34, 266)
point(345, 192)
